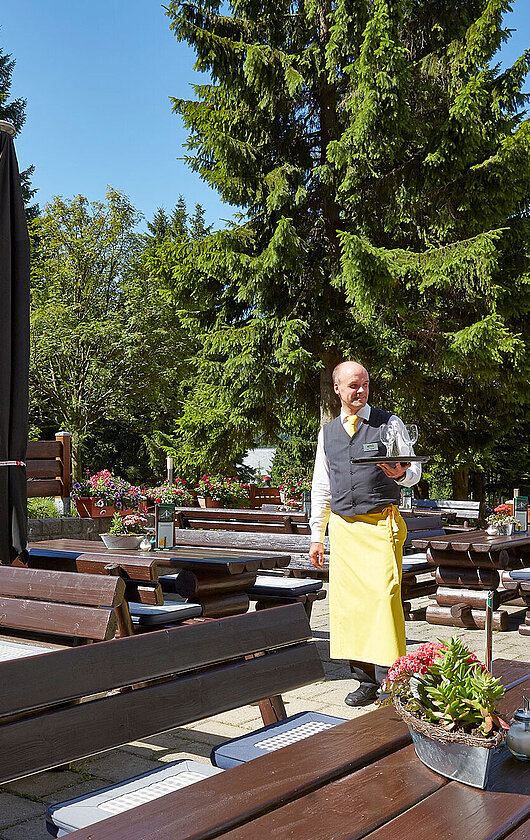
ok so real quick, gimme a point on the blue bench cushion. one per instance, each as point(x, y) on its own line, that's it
point(416, 563)
point(93, 807)
point(284, 586)
point(54, 553)
point(149, 614)
point(520, 574)
point(271, 738)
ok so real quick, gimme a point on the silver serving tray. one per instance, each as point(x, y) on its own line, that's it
point(392, 459)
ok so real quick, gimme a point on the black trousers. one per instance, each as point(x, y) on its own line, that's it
point(367, 673)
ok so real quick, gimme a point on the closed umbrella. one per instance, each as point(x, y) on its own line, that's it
point(14, 354)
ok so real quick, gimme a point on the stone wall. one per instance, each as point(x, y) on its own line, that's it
point(66, 527)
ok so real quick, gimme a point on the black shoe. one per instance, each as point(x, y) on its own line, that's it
point(363, 696)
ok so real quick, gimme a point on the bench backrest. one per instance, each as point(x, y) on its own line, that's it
point(48, 467)
point(460, 509)
point(172, 677)
point(263, 495)
point(243, 519)
point(75, 607)
point(423, 526)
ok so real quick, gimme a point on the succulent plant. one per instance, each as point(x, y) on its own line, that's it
point(456, 691)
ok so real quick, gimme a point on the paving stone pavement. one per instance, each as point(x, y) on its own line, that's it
point(23, 803)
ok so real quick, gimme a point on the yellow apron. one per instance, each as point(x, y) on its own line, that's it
point(365, 611)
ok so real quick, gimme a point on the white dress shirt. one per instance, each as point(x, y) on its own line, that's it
point(321, 489)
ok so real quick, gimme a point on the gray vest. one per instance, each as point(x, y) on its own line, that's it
point(358, 489)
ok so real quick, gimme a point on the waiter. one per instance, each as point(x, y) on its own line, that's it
point(366, 534)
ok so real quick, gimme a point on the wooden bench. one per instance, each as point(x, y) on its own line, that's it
point(48, 469)
point(517, 583)
point(66, 606)
point(263, 496)
point(243, 519)
point(452, 510)
point(57, 708)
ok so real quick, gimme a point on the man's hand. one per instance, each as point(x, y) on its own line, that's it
point(396, 472)
point(316, 554)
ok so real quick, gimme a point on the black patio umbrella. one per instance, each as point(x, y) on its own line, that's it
point(14, 354)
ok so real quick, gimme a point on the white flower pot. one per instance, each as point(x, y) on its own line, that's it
point(123, 541)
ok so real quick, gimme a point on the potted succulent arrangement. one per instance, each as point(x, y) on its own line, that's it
point(126, 532)
point(502, 520)
point(103, 494)
point(447, 698)
point(177, 494)
point(222, 491)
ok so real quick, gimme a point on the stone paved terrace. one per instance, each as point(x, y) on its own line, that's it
point(23, 803)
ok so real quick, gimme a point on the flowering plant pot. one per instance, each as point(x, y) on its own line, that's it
point(454, 755)
point(447, 698)
point(110, 493)
point(501, 521)
point(177, 493)
point(224, 491)
point(125, 532)
point(292, 489)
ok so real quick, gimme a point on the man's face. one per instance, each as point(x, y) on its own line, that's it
point(353, 387)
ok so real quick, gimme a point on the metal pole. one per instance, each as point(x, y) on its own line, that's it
point(489, 629)
point(169, 463)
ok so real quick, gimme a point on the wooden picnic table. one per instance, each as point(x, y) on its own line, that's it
point(219, 584)
point(359, 779)
point(467, 566)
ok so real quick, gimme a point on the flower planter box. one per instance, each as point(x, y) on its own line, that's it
point(208, 502)
point(88, 506)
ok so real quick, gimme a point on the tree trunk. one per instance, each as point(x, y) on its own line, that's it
point(76, 456)
point(329, 402)
point(460, 481)
point(421, 489)
point(477, 485)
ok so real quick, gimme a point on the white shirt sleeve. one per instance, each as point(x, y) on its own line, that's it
point(320, 493)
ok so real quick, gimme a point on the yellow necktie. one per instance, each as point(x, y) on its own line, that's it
point(352, 424)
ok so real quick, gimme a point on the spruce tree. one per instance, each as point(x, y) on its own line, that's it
point(381, 161)
point(14, 111)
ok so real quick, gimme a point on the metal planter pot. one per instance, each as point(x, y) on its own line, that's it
point(454, 760)
point(461, 757)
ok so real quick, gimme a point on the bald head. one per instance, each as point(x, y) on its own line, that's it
point(346, 369)
point(351, 383)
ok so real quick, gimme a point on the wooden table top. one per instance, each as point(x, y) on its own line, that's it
point(479, 541)
point(236, 564)
point(359, 779)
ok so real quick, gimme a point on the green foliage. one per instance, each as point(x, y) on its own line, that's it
point(382, 164)
point(14, 111)
point(294, 455)
point(43, 508)
point(456, 692)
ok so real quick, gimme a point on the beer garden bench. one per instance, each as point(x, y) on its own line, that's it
point(452, 510)
point(63, 607)
point(243, 519)
point(74, 703)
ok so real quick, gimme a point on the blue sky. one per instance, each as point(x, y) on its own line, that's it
point(97, 77)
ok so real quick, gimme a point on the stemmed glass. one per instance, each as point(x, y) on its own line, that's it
point(387, 435)
point(411, 436)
